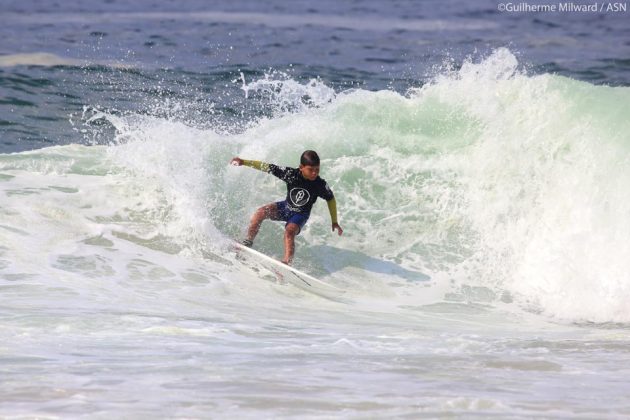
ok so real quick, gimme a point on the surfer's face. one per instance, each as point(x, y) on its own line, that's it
point(309, 172)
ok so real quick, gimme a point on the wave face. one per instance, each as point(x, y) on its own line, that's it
point(484, 185)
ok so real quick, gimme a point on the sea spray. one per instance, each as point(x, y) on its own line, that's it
point(543, 187)
point(505, 180)
point(486, 177)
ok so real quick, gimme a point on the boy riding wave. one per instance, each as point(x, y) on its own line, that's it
point(304, 186)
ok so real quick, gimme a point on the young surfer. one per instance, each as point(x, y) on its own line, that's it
point(303, 187)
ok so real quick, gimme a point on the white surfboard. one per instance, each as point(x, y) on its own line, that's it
point(287, 274)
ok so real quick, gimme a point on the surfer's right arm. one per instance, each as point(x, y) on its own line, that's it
point(256, 164)
point(281, 172)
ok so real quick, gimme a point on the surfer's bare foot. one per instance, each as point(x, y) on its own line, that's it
point(285, 262)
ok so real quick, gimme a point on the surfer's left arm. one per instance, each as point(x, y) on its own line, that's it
point(332, 209)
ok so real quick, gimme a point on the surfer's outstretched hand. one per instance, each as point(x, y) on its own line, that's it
point(236, 161)
point(336, 226)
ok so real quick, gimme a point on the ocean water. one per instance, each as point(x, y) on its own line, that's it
point(481, 164)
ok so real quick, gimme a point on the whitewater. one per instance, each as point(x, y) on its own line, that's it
point(484, 255)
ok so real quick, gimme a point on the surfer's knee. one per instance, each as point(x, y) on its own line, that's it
point(264, 212)
point(291, 230)
point(260, 213)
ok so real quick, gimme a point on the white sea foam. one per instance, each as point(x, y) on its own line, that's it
point(482, 194)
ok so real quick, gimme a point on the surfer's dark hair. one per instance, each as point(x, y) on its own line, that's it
point(309, 158)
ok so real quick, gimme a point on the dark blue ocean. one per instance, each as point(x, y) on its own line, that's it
point(479, 153)
point(57, 58)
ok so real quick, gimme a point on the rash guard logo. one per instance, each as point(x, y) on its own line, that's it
point(299, 196)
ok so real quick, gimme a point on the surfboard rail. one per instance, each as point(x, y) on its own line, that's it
point(288, 274)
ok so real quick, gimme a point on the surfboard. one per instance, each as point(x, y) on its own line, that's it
point(287, 274)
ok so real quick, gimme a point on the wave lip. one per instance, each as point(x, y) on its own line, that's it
point(541, 187)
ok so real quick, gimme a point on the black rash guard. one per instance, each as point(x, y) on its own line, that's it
point(301, 192)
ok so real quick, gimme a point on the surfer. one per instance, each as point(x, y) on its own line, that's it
point(303, 187)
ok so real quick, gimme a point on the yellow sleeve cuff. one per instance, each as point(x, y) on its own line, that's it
point(256, 164)
point(332, 209)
